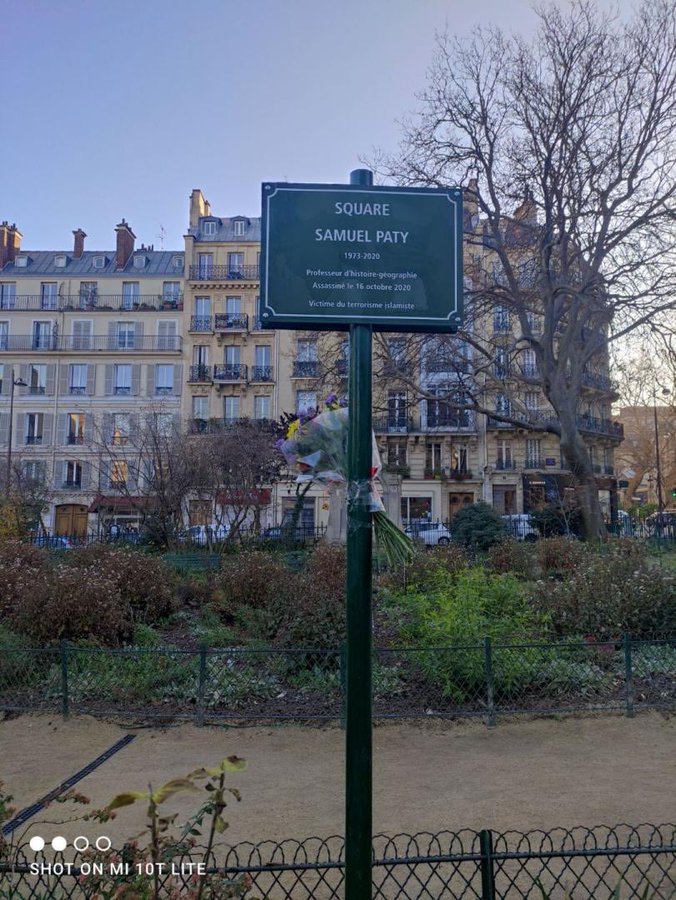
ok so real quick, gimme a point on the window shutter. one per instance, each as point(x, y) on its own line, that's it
point(88, 428)
point(135, 380)
point(110, 374)
point(91, 380)
point(64, 379)
point(4, 428)
point(86, 474)
point(139, 335)
point(178, 379)
point(134, 429)
point(107, 428)
point(51, 380)
point(24, 376)
point(150, 380)
point(104, 475)
point(132, 477)
point(64, 472)
point(6, 378)
point(62, 433)
point(47, 425)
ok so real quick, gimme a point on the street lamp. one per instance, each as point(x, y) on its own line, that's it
point(14, 382)
point(660, 499)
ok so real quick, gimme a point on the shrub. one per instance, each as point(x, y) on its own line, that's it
point(553, 521)
point(517, 557)
point(560, 554)
point(315, 605)
point(25, 573)
point(478, 527)
point(419, 574)
point(608, 595)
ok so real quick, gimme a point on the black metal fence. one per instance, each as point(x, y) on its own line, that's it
point(602, 862)
point(487, 680)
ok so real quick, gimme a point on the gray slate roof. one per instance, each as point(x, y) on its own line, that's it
point(41, 262)
point(225, 229)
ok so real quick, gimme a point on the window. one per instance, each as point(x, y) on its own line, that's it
point(205, 265)
point(49, 295)
point(504, 457)
point(164, 424)
point(130, 294)
point(416, 509)
point(126, 335)
point(529, 364)
point(60, 261)
point(34, 428)
point(99, 262)
point(171, 292)
point(21, 262)
point(82, 335)
point(167, 337)
point(501, 320)
point(231, 409)
point(164, 380)
point(4, 335)
point(443, 413)
point(257, 314)
point(121, 429)
point(459, 459)
point(119, 474)
point(200, 408)
point(307, 351)
point(306, 401)
point(200, 355)
point(35, 470)
point(262, 354)
point(42, 335)
point(140, 261)
point(397, 453)
point(397, 410)
point(533, 453)
point(8, 295)
point(77, 378)
point(262, 407)
point(232, 356)
point(73, 474)
point(501, 366)
point(88, 293)
point(235, 265)
point(233, 306)
point(238, 227)
point(76, 426)
point(122, 379)
point(433, 459)
point(209, 229)
point(178, 262)
point(531, 401)
point(37, 379)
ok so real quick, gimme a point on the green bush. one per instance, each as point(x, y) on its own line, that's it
point(478, 527)
point(419, 573)
point(510, 555)
point(460, 611)
point(560, 554)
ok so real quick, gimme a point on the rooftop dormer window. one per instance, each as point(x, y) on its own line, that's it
point(178, 262)
point(209, 229)
point(60, 261)
point(21, 262)
point(140, 261)
point(99, 262)
point(238, 226)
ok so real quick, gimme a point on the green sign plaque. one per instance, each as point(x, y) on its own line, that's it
point(339, 255)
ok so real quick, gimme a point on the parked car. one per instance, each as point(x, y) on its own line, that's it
point(520, 526)
point(277, 533)
point(430, 533)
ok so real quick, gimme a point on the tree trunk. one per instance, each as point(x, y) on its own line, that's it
point(576, 454)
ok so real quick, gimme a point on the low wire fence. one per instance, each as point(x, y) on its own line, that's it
point(487, 680)
point(603, 863)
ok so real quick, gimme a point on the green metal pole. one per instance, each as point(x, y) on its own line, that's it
point(358, 737)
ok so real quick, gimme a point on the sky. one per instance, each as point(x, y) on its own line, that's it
point(119, 108)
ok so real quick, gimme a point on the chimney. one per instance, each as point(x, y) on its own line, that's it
point(4, 228)
point(78, 246)
point(10, 242)
point(199, 207)
point(125, 244)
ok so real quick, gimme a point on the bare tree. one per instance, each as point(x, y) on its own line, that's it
point(566, 149)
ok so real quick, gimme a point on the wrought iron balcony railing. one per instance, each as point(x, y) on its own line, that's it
point(200, 374)
point(505, 465)
point(261, 373)
point(448, 420)
point(306, 369)
point(393, 424)
point(201, 324)
point(224, 273)
point(234, 372)
point(93, 302)
point(600, 426)
point(122, 343)
point(231, 322)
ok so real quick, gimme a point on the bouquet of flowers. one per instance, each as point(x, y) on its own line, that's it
point(316, 446)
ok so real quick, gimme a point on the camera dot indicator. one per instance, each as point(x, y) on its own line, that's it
point(103, 843)
point(81, 843)
point(37, 843)
point(59, 843)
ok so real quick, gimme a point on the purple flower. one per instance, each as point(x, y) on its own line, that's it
point(279, 443)
point(331, 399)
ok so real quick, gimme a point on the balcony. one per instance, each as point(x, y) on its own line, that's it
point(200, 374)
point(261, 373)
point(33, 439)
point(71, 486)
point(599, 382)
point(201, 324)
point(392, 369)
point(75, 439)
point(448, 420)
point(231, 322)
point(505, 465)
point(121, 343)
point(592, 425)
point(529, 371)
point(501, 325)
point(395, 469)
point(306, 369)
point(224, 273)
point(235, 372)
point(393, 424)
point(532, 462)
point(94, 303)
